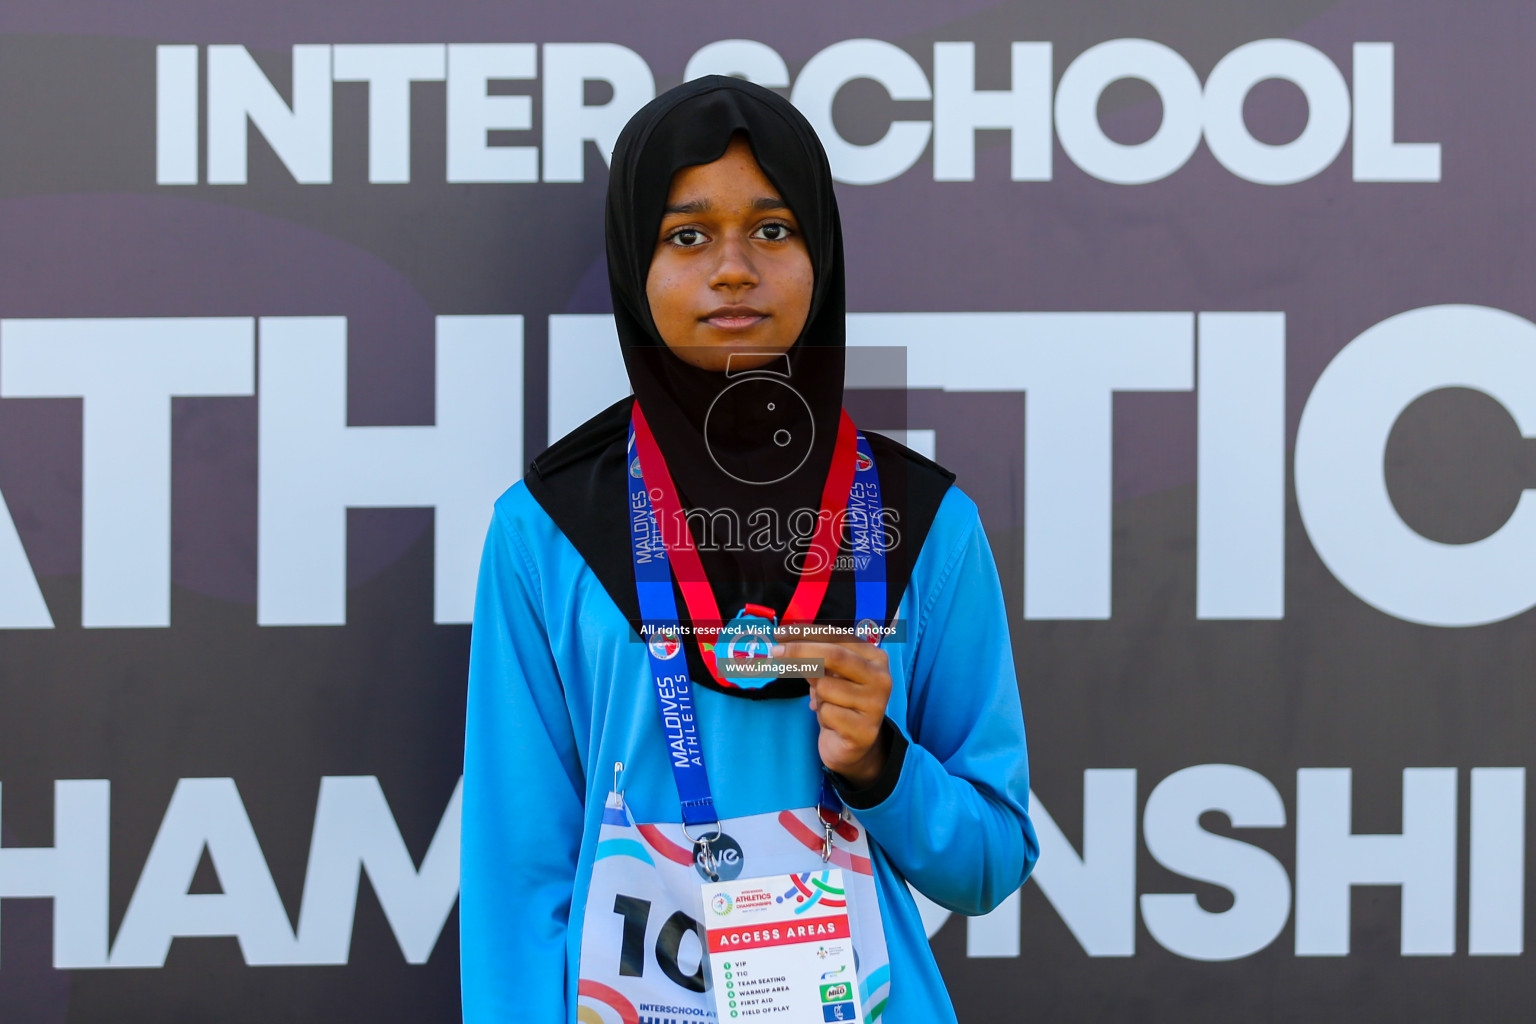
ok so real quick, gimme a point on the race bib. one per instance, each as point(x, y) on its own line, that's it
point(645, 931)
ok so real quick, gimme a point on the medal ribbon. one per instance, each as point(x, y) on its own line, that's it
point(853, 484)
point(698, 595)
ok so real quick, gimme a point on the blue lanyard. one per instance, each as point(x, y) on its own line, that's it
point(658, 615)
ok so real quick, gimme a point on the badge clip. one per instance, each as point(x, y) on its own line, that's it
point(829, 830)
point(708, 862)
point(704, 854)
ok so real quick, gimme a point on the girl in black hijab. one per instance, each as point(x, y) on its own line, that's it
point(580, 481)
point(726, 269)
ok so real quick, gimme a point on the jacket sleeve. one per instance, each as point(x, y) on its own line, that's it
point(956, 824)
point(523, 801)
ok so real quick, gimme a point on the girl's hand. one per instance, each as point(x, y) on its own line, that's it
point(849, 701)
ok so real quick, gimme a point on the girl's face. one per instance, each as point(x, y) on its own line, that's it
point(731, 273)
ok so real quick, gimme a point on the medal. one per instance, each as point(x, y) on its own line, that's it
point(748, 636)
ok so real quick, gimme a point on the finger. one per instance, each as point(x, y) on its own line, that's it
point(861, 649)
point(867, 697)
point(846, 665)
point(845, 660)
point(856, 732)
point(811, 637)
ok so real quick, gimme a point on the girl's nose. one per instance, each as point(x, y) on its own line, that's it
point(735, 267)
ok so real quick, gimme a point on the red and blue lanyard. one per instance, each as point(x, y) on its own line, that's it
point(853, 484)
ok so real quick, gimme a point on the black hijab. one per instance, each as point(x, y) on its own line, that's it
point(718, 446)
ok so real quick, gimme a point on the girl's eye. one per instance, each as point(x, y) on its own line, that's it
point(687, 238)
point(774, 232)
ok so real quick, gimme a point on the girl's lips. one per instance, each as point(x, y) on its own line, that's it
point(736, 322)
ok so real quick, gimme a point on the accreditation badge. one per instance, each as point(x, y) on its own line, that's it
point(781, 948)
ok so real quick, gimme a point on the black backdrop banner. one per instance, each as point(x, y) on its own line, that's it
point(1221, 312)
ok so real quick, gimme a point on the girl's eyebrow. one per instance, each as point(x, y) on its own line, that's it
point(704, 206)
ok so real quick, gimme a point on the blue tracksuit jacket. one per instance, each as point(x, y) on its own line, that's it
point(558, 693)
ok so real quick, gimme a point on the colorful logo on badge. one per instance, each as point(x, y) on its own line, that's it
point(862, 461)
point(634, 468)
point(837, 993)
point(722, 903)
point(809, 890)
point(867, 629)
point(665, 645)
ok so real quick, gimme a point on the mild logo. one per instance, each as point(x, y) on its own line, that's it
point(838, 993)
